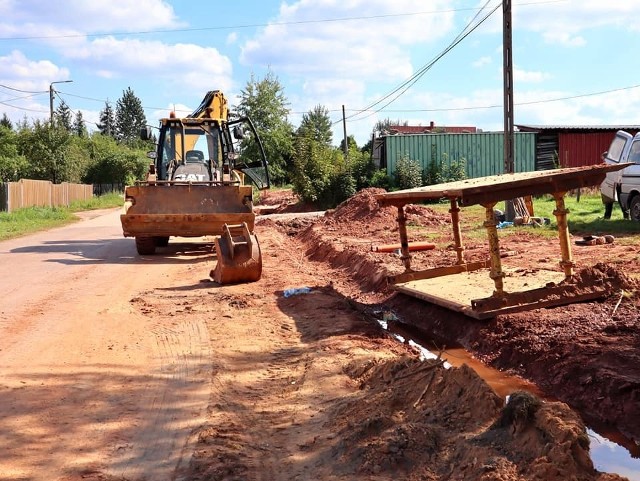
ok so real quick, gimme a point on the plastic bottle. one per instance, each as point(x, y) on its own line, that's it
point(297, 290)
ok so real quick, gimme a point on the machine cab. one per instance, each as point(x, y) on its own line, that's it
point(208, 150)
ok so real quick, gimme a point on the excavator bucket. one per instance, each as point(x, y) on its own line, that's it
point(238, 254)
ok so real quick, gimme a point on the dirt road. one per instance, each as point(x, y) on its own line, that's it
point(87, 382)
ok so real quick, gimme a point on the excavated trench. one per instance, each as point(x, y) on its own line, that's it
point(610, 450)
point(584, 355)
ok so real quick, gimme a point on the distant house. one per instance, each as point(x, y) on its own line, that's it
point(572, 145)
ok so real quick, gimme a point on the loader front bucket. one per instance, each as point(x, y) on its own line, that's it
point(238, 255)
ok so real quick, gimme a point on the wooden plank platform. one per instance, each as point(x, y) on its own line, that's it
point(483, 289)
point(496, 188)
point(471, 292)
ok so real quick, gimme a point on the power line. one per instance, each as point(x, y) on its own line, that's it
point(447, 109)
point(24, 91)
point(404, 86)
point(107, 101)
point(23, 108)
point(258, 25)
point(484, 107)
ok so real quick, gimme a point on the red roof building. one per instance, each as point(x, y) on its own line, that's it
point(429, 129)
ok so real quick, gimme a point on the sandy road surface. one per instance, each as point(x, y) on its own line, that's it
point(87, 383)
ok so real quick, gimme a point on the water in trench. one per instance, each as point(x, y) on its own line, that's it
point(611, 452)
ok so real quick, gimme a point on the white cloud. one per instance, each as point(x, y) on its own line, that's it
point(232, 38)
point(561, 22)
point(353, 49)
point(25, 74)
point(187, 65)
point(37, 18)
point(564, 39)
point(482, 61)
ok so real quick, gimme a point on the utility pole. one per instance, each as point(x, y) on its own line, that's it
point(507, 67)
point(344, 127)
point(51, 91)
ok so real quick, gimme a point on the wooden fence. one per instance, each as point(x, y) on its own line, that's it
point(41, 193)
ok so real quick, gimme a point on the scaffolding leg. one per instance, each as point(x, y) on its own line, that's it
point(457, 232)
point(404, 239)
point(561, 212)
point(494, 249)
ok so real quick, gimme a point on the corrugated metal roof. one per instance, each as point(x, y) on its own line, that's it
point(528, 127)
point(425, 129)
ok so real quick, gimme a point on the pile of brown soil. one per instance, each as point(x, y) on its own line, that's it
point(418, 420)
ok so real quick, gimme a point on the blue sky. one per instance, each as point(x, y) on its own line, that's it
point(574, 60)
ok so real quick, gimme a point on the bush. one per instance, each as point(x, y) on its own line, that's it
point(454, 170)
point(408, 173)
point(381, 179)
point(444, 171)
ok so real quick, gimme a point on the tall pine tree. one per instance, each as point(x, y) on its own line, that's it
point(5, 121)
point(78, 127)
point(63, 116)
point(130, 117)
point(107, 125)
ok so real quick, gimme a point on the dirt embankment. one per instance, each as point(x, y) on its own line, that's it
point(583, 354)
point(308, 387)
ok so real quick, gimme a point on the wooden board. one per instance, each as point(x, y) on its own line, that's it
point(457, 291)
point(495, 188)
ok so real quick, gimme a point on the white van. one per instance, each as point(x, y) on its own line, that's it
point(623, 185)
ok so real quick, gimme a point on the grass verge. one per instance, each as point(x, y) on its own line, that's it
point(34, 219)
point(586, 217)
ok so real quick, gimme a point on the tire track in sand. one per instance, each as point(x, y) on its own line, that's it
point(176, 402)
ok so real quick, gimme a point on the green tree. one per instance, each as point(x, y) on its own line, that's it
point(107, 125)
point(351, 142)
point(6, 122)
point(130, 117)
point(23, 124)
point(264, 102)
point(79, 128)
point(63, 116)
point(320, 173)
point(316, 124)
point(13, 166)
point(113, 163)
point(45, 147)
point(382, 127)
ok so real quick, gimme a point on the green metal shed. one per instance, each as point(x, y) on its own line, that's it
point(483, 152)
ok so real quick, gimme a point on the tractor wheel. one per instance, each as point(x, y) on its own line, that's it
point(145, 246)
point(161, 241)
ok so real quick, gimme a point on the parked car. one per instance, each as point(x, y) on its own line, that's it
point(623, 185)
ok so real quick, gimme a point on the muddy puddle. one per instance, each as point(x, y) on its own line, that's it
point(610, 451)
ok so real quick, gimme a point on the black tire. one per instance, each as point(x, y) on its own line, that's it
point(145, 246)
point(161, 241)
point(634, 208)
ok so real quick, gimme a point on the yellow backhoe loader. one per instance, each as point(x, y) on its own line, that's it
point(199, 184)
